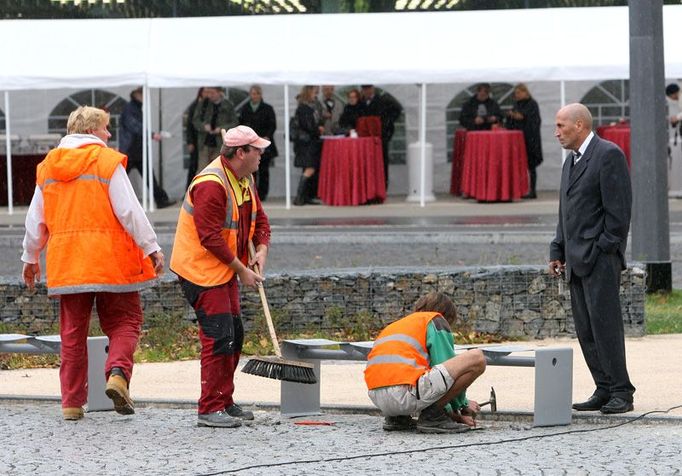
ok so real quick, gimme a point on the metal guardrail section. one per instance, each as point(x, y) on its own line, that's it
point(98, 348)
point(553, 374)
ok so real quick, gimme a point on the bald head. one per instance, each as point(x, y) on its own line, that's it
point(573, 125)
point(578, 112)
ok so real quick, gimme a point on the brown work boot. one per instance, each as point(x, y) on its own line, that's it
point(72, 413)
point(435, 420)
point(117, 390)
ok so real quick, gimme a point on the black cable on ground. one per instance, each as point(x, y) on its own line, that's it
point(432, 448)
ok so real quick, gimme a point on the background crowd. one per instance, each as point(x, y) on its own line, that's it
point(319, 113)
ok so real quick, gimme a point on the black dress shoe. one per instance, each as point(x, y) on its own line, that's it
point(592, 404)
point(530, 195)
point(617, 405)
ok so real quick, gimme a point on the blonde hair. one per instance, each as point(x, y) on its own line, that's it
point(437, 302)
point(523, 88)
point(86, 119)
point(306, 94)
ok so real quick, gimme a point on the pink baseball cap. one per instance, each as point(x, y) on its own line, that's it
point(243, 135)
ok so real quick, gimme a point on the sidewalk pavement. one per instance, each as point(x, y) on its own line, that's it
point(547, 203)
point(653, 362)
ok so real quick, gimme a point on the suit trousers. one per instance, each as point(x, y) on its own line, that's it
point(120, 317)
point(595, 302)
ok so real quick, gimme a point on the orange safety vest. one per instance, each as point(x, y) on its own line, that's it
point(88, 250)
point(190, 260)
point(399, 355)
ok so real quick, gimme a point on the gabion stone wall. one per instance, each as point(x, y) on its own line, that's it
point(512, 301)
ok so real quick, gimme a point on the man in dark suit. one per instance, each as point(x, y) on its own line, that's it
point(594, 218)
point(260, 116)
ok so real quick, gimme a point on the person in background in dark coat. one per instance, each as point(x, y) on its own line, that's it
point(525, 116)
point(192, 136)
point(481, 111)
point(388, 110)
point(260, 117)
point(307, 146)
point(130, 142)
point(351, 111)
point(595, 204)
point(219, 114)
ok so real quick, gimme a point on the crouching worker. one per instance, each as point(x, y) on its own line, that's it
point(412, 369)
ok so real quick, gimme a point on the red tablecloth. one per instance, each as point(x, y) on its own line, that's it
point(23, 178)
point(351, 171)
point(457, 161)
point(495, 165)
point(617, 125)
point(619, 135)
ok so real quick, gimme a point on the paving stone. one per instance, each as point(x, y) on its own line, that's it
point(161, 441)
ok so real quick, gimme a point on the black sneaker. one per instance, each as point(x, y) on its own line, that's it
point(218, 420)
point(399, 423)
point(237, 412)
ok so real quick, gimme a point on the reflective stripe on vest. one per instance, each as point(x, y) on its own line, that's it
point(399, 355)
point(409, 340)
point(81, 177)
point(189, 258)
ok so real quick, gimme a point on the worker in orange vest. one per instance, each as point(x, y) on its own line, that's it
point(412, 369)
point(101, 249)
point(221, 214)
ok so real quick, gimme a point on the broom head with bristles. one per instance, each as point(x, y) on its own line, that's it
point(280, 369)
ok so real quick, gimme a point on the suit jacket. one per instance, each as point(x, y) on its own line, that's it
point(264, 122)
point(595, 204)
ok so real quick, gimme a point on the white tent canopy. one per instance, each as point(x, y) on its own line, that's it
point(387, 48)
point(384, 48)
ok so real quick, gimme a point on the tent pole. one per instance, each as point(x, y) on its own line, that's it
point(287, 151)
point(145, 118)
point(150, 153)
point(422, 144)
point(562, 94)
point(8, 145)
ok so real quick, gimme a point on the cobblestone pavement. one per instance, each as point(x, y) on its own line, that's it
point(161, 441)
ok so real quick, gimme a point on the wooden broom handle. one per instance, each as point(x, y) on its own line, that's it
point(264, 301)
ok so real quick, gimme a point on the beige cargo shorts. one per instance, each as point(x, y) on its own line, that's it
point(408, 399)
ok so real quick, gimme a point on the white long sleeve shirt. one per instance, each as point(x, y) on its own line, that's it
point(123, 201)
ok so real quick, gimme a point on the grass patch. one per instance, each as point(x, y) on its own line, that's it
point(167, 338)
point(664, 313)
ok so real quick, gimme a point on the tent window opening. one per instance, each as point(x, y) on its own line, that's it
point(110, 102)
point(503, 93)
point(608, 101)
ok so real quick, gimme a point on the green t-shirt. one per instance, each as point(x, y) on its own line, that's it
point(441, 347)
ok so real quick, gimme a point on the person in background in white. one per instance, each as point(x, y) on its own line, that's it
point(101, 249)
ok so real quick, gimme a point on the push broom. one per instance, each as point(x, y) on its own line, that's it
point(276, 367)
